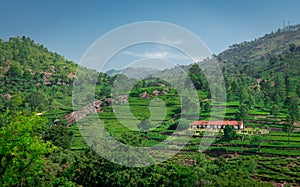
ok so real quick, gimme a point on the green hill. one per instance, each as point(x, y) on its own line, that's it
point(32, 77)
point(265, 47)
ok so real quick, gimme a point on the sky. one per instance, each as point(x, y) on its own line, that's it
point(70, 27)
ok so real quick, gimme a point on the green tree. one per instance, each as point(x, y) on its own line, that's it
point(22, 150)
point(144, 126)
point(59, 135)
point(289, 127)
point(37, 101)
point(14, 73)
point(292, 47)
point(279, 92)
point(256, 141)
point(265, 87)
point(292, 102)
point(245, 105)
point(229, 133)
point(242, 115)
point(275, 111)
point(298, 90)
point(234, 88)
point(195, 74)
point(132, 138)
point(205, 105)
point(288, 83)
point(16, 102)
point(27, 75)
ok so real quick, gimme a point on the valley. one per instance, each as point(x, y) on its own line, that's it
point(41, 133)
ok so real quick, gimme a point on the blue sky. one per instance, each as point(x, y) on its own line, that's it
point(69, 27)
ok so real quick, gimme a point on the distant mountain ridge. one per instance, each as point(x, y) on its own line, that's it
point(133, 72)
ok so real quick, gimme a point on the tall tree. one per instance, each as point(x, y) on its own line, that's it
point(14, 73)
point(275, 111)
point(197, 77)
point(292, 48)
point(279, 92)
point(292, 102)
point(229, 133)
point(289, 127)
point(22, 151)
point(256, 141)
point(244, 107)
point(298, 90)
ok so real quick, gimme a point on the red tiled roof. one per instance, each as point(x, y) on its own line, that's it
point(205, 123)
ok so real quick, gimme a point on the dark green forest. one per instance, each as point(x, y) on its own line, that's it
point(40, 146)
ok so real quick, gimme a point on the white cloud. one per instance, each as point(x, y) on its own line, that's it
point(159, 55)
point(164, 39)
point(167, 55)
point(197, 59)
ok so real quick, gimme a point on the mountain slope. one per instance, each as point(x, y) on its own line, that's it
point(273, 44)
point(32, 77)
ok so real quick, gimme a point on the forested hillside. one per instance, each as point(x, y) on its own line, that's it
point(32, 77)
point(40, 147)
point(265, 47)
